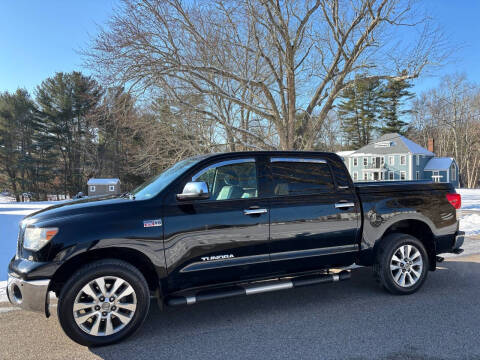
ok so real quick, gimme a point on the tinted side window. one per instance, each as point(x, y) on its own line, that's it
point(340, 174)
point(300, 178)
point(233, 181)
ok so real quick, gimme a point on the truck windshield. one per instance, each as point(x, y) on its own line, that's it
point(156, 184)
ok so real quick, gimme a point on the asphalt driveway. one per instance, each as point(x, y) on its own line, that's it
point(348, 320)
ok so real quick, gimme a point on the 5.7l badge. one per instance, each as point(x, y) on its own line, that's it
point(152, 223)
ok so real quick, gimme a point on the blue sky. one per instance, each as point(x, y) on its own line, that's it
point(39, 38)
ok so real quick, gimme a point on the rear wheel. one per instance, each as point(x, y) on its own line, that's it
point(104, 302)
point(402, 264)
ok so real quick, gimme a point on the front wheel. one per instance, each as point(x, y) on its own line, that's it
point(402, 264)
point(103, 303)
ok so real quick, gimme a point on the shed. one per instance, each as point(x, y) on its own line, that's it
point(103, 187)
point(443, 169)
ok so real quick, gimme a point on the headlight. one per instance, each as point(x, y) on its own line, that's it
point(35, 238)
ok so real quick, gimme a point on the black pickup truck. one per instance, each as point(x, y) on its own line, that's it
point(223, 225)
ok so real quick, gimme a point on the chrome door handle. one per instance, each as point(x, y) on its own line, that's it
point(344, 205)
point(254, 211)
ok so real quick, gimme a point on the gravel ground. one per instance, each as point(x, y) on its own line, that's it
point(348, 320)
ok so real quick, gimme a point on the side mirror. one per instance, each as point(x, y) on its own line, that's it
point(194, 190)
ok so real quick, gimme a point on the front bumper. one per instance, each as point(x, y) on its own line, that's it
point(29, 295)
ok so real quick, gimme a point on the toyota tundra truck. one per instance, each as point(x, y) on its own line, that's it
point(223, 225)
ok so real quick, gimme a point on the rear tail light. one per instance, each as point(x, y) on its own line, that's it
point(455, 200)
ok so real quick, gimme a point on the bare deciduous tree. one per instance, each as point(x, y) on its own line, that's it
point(269, 71)
point(450, 114)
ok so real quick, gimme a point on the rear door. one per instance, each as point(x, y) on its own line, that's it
point(313, 218)
point(223, 238)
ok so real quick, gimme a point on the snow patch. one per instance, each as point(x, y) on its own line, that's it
point(17, 212)
point(7, 199)
point(8, 309)
point(3, 291)
point(470, 199)
point(470, 224)
point(25, 205)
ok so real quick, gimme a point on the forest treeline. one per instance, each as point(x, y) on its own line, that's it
point(73, 129)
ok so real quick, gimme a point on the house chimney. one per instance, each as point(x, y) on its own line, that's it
point(430, 144)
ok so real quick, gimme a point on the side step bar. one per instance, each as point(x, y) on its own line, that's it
point(257, 288)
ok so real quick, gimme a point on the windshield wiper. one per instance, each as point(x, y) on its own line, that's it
point(128, 195)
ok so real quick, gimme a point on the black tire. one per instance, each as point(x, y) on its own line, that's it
point(390, 246)
point(90, 272)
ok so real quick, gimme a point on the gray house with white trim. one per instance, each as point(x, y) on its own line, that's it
point(98, 187)
point(393, 157)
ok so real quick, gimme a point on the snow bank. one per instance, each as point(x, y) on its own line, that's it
point(470, 224)
point(470, 199)
point(10, 215)
point(3, 291)
point(7, 199)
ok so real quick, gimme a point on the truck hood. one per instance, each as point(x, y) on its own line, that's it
point(76, 207)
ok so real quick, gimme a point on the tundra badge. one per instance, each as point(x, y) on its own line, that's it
point(217, 257)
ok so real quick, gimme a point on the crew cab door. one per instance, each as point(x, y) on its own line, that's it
point(313, 218)
point(223, 238)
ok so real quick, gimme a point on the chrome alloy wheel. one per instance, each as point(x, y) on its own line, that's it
point(406, 265)
point(104, 306)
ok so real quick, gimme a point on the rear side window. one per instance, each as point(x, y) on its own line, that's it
point(300, 177)
point(340, 174)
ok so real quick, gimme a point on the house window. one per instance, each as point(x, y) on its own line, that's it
point(403, 175)
point(355, 176)
point(391, 160)
point(111, 188)
point(390, 175)
point(417, 175)
point(418, 160)
point(92, 188)
point(403, 160)
point(365, 161)
point(454, 173)
point(365, 176)
point(355, 161)
point(383, 144)
point(436, 176)
point(382, 160)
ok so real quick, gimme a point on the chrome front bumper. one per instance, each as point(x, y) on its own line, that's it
point(29, 295)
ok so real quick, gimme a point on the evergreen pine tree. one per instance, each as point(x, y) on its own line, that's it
point(358, 112)
point(18, 123)
point(394, 96)
point(65, 102)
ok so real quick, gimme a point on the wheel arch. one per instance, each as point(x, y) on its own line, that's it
point(131, 256)
point(417, 229)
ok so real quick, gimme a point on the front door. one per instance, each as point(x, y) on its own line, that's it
point(314, 221)
point(223, 238)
